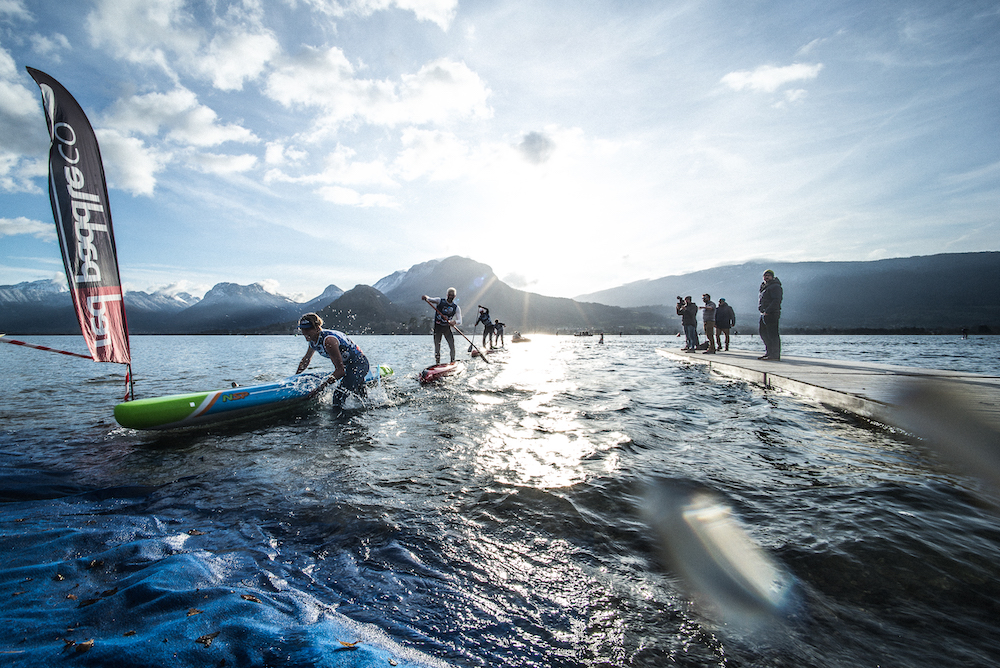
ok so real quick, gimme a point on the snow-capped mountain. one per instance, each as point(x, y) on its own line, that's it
point(45, 307)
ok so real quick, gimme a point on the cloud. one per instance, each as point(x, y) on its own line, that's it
point(185, 120)
point(436, 154)
point(129, 163)
point(768, 78)
point(441, 12)
point(348, 197)
point(144, 31)
point(50, 46)
point(162, 34)
point(519, 281)
point(237, 57)
point(439, 92)
point(15, 9)
point(214, 163)
point(536, 147)
point(277, 153)
point(13, 226)
point(23, 138)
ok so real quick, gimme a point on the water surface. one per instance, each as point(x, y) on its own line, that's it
point(495, 518)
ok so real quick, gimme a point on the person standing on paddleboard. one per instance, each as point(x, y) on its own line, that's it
point(350, 365)
point(447, 314)
point(484, 318)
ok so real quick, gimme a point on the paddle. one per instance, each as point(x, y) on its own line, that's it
point(481, 354)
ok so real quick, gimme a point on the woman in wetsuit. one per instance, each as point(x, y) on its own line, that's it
point(350, 365)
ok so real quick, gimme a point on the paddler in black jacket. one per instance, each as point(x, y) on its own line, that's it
point(447, 314)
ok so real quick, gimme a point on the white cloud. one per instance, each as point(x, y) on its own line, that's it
point(18, 173)
point(214, 163)
point(441, 12)
point(349, 197)
point(23, 137)
point(340, 168)
point(520, 281)
point(129, 164)
point(768, 78)
point(15, 9)
point(237, 57)
point(49, 46)
point(16, 100)
point(439, 92)
point(21, 225)
point(279, 154)
point(434, 153)
point(185, 120)
point(144, 31)
point(163, 34)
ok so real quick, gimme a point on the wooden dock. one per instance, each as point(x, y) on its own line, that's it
point(873, 391)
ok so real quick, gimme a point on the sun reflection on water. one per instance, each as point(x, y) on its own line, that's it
point(542, 442)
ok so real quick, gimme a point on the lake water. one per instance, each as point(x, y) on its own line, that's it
point(503, 517)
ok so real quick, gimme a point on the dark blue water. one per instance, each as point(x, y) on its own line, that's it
point(499, 518)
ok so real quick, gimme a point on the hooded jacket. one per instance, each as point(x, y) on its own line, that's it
point(769, 302)
point(725, 317)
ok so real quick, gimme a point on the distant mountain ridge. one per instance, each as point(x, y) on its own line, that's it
point(944, 292)
point(930, 293)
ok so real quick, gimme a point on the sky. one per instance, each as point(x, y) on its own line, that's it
point(571, 145)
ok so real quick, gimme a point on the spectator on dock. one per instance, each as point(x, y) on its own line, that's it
point(725, 319)
point(709, 318)
point(689, 320)
point(769, 305)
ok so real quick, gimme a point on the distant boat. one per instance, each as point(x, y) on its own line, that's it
point(583, 333)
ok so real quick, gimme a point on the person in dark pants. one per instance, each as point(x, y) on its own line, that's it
point(725, 319)
point(488, 328)
point(769, 305)
point(447, 314)
point(708, 312)
point(689, 320)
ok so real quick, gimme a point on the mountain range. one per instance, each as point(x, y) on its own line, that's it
point(945, 292)
point(939, 293)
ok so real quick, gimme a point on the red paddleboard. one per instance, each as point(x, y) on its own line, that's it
point(432, 373)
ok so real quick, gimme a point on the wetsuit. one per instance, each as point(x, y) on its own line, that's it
point(355, 363)
point(488, 328)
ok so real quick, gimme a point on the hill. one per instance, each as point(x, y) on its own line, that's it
point(518, 310)
point(944, 292)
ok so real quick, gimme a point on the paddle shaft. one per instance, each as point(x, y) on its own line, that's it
point(481, 353)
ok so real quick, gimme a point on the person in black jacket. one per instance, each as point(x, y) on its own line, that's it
point(689, 320)
point(725, 319)
point(769, 305)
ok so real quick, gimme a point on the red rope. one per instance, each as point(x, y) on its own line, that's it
point(14, 342)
